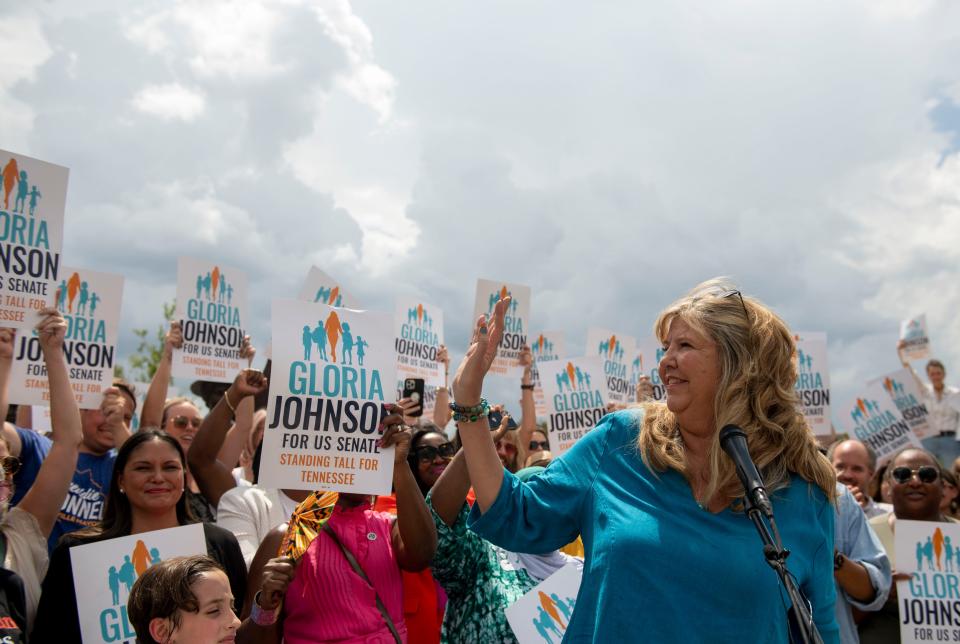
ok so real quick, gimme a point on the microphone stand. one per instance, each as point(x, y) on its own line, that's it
point(776, 557)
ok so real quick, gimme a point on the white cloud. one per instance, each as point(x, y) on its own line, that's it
point(23, 48)
point(170, 101)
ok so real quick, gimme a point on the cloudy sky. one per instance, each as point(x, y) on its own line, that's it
point(611, 155)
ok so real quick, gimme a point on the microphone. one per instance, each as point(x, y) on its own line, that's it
point(733, 441)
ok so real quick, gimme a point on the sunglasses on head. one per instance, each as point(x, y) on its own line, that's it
point(536, 446)
point(428, 453)
point(925, 474)
point(11, 465)
point(181, 422)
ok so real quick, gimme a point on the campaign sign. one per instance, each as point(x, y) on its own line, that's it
point(418, 336)
point(903, 390)
point(515, 322)
point(323, 289)
point(813, 381)
point(576, 399)
point(212, 310)
point(915, 338)
point(873, 419)
point(929, 602)
point(90, 303)
point(34, 195)
point(542, 615)
point(617, 351)
point(647, 363)
point(332, 371)
point(547, 346)
point(104, 573)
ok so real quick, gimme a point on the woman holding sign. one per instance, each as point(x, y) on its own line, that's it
point(146, 493)
point(669, 551)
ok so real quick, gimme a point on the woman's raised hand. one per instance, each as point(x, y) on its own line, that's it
point(51, 330)
point(468, 382)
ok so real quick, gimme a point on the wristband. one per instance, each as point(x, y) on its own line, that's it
point(260, 616)
point(530, 387)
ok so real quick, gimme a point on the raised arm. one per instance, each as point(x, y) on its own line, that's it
point(49, 489)
point(268, 581)
point(414, 535)
point(441, 407)
point(486, 471)
point(7, 339)
point(213, 477)
point(921, 387)
point(152, 413)
point(239, 434)
point(528, 409)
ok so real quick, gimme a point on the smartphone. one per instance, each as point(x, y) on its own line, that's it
point(413, 389)
point(496, 417)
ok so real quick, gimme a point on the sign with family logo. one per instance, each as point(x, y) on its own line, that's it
point(212, 310)
point(930, 600)
point(618, 352)
point(902, 389)
point(320, 288)
point(332, 375)
point(916, 340)
point(104, 573)
point(647, 362)
point(33, 196)
point(546, 347)
point(418, 336)
point(543, 614)
point(873, 419)
point(515, 322)
point(90, 303)
point(576, 399)
point(813, 381)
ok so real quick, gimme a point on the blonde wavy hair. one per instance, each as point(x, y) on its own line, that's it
point(756, 392)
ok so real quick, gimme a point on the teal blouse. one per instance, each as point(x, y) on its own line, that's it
point(659, 568)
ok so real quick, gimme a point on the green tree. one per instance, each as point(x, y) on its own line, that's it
point(144, 361)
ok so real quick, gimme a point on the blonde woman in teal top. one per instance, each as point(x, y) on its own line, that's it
point(670, 556)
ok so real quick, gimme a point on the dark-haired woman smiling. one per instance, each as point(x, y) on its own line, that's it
point(146, 493)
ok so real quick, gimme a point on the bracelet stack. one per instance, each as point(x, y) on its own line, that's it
point(472, 414)
point(261, 616)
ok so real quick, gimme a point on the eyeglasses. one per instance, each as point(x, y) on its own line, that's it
point(429, 453)
point(538, 445)
point(738, 294)
point(507, 447)
point(926, 474)
point(181, 422)
point(11, 465)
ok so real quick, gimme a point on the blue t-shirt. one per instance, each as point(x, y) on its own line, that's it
point(658, 568)
point(34, 448)
point(87, 495)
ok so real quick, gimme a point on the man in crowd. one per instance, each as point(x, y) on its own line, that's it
point(856, 464)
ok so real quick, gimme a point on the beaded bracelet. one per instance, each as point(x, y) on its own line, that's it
point(472, 414)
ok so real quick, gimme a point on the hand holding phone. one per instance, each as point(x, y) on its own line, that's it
point(413, 389)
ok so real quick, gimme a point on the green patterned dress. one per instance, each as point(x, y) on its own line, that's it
point(480, 580)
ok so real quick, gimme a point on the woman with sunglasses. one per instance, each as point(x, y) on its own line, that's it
point(146, 493)
point(24, 529)
point(916, 488)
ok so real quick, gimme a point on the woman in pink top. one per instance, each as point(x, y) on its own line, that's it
point(321, 598)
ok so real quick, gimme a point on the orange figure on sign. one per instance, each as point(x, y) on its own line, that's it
point(334, 331)
point(73, 287)
point(214, 279)
point(141, 557)
point(333, 295)
point(10, 176)
point(551, 607)
point(938, 546)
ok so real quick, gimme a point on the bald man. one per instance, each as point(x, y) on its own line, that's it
point(855, 464)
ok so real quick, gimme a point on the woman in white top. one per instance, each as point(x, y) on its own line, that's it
point(25, 528)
